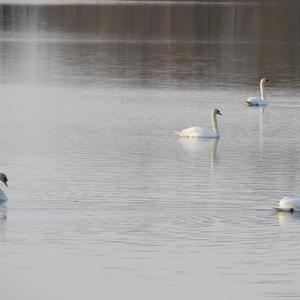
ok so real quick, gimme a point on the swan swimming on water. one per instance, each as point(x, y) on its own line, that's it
point(258, 101)
point(289, 204)
point(202, 132)
point(3, 197)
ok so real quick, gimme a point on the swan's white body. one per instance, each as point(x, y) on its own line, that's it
point(3, 197)
point(201, 132)
point(198, 132)
point(289, 204)
point(258, 101)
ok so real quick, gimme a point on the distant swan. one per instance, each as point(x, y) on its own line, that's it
point(201, 132)
point(3, 197)
point(258, 101)
point(289, 204)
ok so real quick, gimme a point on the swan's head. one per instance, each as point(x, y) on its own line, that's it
point(263, 80)
point(3, 178)
point(217, 112)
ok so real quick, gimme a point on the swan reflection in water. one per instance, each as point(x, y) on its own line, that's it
point(261, 111)
point(261, 129)
point(286, 219)
point(207, 148)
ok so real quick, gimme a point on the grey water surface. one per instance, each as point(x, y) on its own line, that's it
point(105, 202)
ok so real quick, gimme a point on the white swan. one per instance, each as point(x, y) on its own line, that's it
point(201, 132)
point(258, 101)
point(3, 197)
point(289, 204)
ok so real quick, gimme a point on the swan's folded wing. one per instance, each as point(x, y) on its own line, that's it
point(185, 132)
point(290, 202)
point(195, 132)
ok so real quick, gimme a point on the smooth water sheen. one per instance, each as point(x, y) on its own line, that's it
point(105, 202)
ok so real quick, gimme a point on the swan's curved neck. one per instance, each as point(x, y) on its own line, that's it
point(214, 123)
point(262, 90)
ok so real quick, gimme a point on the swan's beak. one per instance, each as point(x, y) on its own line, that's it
point(219, 114)
point(5, 183)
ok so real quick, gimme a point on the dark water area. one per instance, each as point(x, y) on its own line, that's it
point(219, 43)
point(259, 22)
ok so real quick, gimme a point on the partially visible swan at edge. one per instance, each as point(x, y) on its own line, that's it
point(201, 132)
point(258, 101)
point(289, 204)
point(3, 197)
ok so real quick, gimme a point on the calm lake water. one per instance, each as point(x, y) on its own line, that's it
point(105, 202)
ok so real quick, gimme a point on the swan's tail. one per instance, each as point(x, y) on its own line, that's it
point(178, 133)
